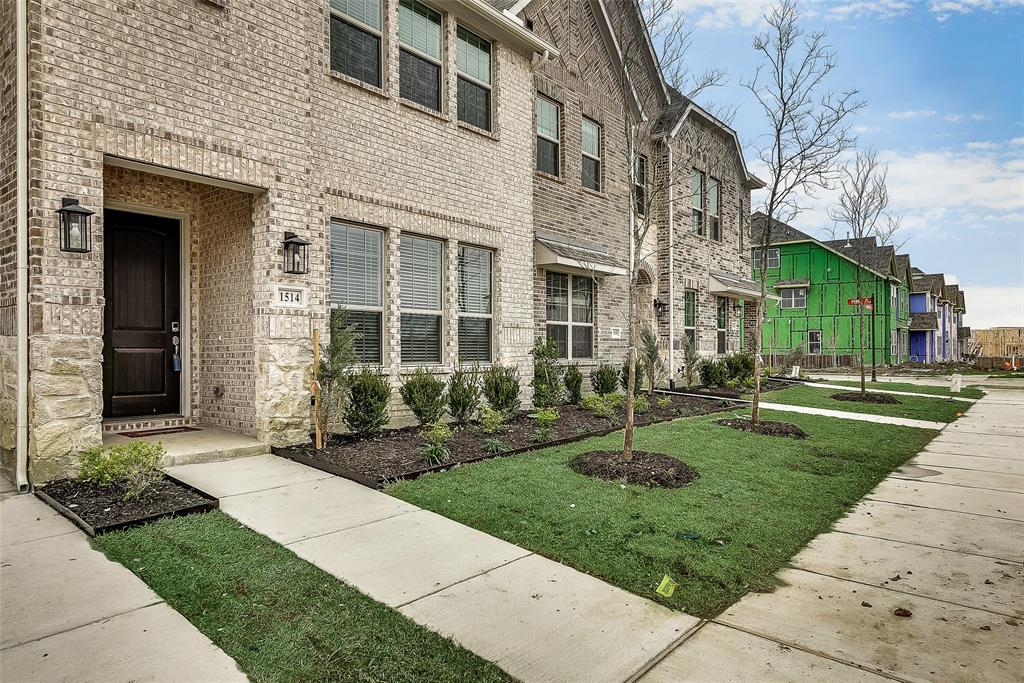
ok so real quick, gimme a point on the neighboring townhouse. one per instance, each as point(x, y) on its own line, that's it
point(817, 284)
point(901, 301)
point(249, 167)
point(963, 333)
point(952, 295)
point(926, 322)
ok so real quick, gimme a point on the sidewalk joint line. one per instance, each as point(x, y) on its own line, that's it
point(468, 578)
point(659, 656)
point(90, 623)
point(923, 480)
point(871, 496)
point(349, 528)
point(925, 545)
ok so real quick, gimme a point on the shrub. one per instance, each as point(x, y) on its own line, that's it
point(641, 372)
point(464, 395)
point(740, 367)
point(650, 355)
point(369, 393)
point(501, 387)
point(492, 420)
point(604, 380)
point(665, 403)
point(494, 446)
point(547, 374)
point(435, 450)
point(135, 466)
point(606, 405)
point(546, 419)
point(641, 404)
point(713, 373)
point(425, 396)
point(335, 367)
point(573, 384)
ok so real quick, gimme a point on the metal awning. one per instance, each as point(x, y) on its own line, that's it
point(737, 287)
point(576, 258)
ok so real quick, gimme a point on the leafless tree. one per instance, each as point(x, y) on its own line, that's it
point(809, 128)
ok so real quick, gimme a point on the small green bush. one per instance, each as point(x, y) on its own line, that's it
point(135, 466)
point(641, 373)
point(713, 373)
point(604, 380)
point(665, 403)
point(740, 367)
point(435, 450)
point(495, 446)
point(606, 405)
point(464, 395)
point(491, 420)
point(547, 374)
point(546, 419)
point(501, 387)
point(573, 384)
point(424, 394)
point(369, 393)
point(641, 404)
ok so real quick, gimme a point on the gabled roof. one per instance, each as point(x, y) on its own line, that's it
point(953, 294)
point(929, 283)
point(781, 233)
point(866, 252)
point(903, 269)
point(960, 302)
point(928, 320)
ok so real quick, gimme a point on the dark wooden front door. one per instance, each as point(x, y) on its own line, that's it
point(142, 314)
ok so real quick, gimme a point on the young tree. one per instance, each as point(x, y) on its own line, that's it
point(809, 128)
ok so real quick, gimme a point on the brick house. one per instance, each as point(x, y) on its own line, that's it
point(392, 137)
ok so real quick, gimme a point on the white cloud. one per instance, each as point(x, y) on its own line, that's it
point(977, 146)
point(913, 114)
point(978, 117)
point(868, 129)
point(732, 14)
point(1017, 142)
point(883, 9)
point(944, 9)
point(993, 306)
point(952, 118)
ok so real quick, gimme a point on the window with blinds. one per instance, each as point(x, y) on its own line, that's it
point(422, 263)
point(474, 63)
point(697, 201)
point(714, 223)
point(570, 314)
point(356, 39)
point(419, 59)
point(722, 320)
point(356, 285)
point(690, 316)
point(548, 114)
point(591, 143)
point(475, 304)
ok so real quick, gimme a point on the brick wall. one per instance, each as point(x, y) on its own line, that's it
point(8, 196)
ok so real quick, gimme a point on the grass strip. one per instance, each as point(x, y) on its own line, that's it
point(965, 392)
point(935, 409)
point(280, 617)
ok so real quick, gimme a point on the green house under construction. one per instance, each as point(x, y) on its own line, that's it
point(817, 285)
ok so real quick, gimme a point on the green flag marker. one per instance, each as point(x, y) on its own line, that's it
point(667, 587)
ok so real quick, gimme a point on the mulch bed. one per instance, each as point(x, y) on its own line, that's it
point(395, 454)
point(645, 468)
point(97, 510)
point(869, 397)
point(765, 427)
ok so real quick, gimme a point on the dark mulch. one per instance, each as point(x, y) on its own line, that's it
point(395, 454)
point(646, 469)
point(868, 397)
point(105, 507)
point(765, 427)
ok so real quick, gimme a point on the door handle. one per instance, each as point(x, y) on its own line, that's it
point(175, 327)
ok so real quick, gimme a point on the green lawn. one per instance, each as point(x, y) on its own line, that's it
point(759, 500)
point(914, 407)
point(965, 392)
point(281, 618)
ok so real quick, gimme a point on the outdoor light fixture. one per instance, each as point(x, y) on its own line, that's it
point(296, 254)
point(659, 306)
point(75, 224)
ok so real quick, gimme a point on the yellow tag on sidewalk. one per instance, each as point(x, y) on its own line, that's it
point(667, 587)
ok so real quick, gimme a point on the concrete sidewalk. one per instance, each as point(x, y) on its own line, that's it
point(537, 619)
point(943, 537)
point(862, 417)
point(67, 613)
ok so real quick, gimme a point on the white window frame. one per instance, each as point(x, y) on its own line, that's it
point(791, 291)
point(701, 228)
point(774, 255)
point(600, 143)
point(486, 316)
point(439, 62)
point(811, 344)
point(894, 295)
point(556, 141)
point(713, 218)
point(571, 323)
point(461, 74)
point(893, 342)
point(379, 33)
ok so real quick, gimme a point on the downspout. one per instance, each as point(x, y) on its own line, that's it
point(671, 273)
point(21, 393)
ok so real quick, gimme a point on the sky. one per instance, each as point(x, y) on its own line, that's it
point(944, 82)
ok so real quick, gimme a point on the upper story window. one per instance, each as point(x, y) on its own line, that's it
point(640, 186)
point(741, 219)
point(894, 296)
point(474, 62)
point(475, 311)
point(422, 262)
point(419, 33)
point(570, 314)
point(548, 135)
point(356, 39)
point(714, 222)
point(591, 155)
point(773, 259)
point(794, 297)
point(697, 201)
point(357, 285)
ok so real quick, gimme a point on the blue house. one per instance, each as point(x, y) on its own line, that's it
point(927, 317)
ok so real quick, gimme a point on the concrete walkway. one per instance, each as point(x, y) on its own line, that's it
point(67, 613)
point(537, 619)
point(943, 537)
point(863, 417)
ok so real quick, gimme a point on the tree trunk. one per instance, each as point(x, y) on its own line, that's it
point(627, 435)
point(755, 408)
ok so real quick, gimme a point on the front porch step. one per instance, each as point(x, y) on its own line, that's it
point(205, 444)
point(139, 424)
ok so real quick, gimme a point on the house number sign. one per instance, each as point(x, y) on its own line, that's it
point(289, 297)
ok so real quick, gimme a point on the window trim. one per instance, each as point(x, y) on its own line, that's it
point(440, 313)
point(688, 328)
point(640, 188)
point(700, 228)
point(436, 61)
point(722, 325)
point(569, 324)
point(810, 344)
point(774, 254)
point(791, 291)
point(587, 155)
point(458, 307)
point(489, 87)
point(716, 217)
point(557, 142)
point(362, 308)
point(377, 33)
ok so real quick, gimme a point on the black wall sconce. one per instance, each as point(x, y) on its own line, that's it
point(296, 254)
point(660, 306)
point(75, 226)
